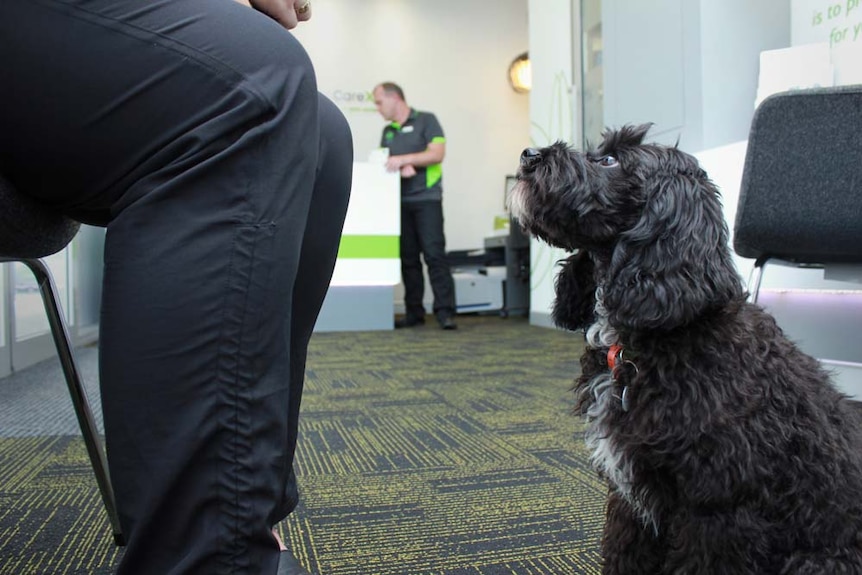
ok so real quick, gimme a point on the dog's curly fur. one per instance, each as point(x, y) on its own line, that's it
point(733, 453)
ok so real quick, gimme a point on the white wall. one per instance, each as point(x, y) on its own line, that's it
point(451, 57)
point(554, 102)
point(650, 65)
point(733, 33)
point(689, 67)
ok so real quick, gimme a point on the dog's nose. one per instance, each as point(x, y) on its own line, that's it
point(530, 156)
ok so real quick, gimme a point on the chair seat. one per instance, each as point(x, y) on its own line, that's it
point(28, 229)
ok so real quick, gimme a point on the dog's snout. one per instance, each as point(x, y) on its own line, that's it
point(530, 156)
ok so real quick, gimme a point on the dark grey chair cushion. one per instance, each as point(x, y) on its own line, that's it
point(28, 229)
point(801, 193)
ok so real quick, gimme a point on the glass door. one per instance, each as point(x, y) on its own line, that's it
point(30, 333)
point(25, 336)
point(5, 348)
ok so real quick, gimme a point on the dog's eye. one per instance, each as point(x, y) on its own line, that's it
point(608, 161)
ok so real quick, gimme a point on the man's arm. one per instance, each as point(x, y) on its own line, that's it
point(433, 154)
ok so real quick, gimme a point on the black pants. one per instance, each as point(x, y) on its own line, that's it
point(422, 235)
point(193, 130)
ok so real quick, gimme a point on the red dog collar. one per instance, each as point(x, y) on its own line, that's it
point(615, 354)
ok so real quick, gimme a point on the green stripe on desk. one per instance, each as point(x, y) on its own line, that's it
point(369, 247)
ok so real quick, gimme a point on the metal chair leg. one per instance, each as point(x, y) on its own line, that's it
point(76, 390)
point(756, 277)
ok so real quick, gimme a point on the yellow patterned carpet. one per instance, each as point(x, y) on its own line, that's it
point(422, 452)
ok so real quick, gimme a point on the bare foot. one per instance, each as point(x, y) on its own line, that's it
point(281, 546)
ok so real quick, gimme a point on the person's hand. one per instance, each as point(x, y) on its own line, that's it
point(395, 163)
point(408, 171)
point(288, 13)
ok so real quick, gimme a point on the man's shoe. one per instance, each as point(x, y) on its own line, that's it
point(409, 321)
point(447, 322)
point(289, 565)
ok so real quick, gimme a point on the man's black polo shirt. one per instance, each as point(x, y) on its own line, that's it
point(420, 129)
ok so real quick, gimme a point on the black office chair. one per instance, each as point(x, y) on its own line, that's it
point(29, 232)
point(800, 202)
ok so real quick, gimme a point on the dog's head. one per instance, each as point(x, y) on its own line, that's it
point(648, 216)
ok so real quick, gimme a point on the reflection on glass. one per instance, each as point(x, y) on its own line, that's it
point(30, 318)
point(593, 82)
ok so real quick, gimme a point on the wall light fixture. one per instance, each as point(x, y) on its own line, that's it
point(520, 76)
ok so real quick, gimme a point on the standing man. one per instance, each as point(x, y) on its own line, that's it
point(416, 149)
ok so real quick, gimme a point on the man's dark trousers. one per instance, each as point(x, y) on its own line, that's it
point(422, 235)
point(194, 132)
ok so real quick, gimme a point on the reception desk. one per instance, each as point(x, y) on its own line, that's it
point(368, 267)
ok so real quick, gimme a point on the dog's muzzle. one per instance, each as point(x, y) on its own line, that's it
point(530, 156)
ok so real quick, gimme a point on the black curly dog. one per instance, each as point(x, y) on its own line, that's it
point(727, 449)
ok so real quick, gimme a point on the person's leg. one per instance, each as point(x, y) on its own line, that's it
point(316, 264)
point(429, 225)
point(317, 259)
point(192, 128)
point(411, 265)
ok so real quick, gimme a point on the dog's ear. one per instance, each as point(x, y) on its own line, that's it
point(575, 289)
point(627, 136)
point(674, 264)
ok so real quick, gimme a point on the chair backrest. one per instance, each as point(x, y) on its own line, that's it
point(801, 193)
point(28, 229)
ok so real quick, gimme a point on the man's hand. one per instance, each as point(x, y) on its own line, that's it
point(394, 164)
point(288, 13)
point(433, 154)
point(400, 164)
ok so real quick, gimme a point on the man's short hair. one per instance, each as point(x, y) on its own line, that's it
point(393, 88)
